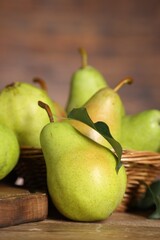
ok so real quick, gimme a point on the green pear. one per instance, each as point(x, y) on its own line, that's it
point(141, 131)
point(19, 111)
point(9, 151)
point(106, 106)
point(84, 83)
point(81, 175)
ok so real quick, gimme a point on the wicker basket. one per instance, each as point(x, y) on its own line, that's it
point(140, 167)
point(32, 168)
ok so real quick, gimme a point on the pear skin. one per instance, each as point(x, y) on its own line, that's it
point(81, 175)
point(85, 81)
point(141, 131)
point(106, 106)
point(9, 151)
point(19, 111)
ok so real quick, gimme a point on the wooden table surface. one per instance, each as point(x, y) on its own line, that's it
point(25, 216)
point(119, 226)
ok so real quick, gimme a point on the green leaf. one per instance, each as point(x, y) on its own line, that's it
point(102, 128)
point(151, 198)
point(81, 115)
point(155, 193)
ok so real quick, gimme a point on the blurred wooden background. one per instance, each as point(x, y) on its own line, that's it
point(41, 37)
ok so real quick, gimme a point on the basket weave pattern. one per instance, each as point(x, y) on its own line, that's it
point(32, 168)
point(141, 166)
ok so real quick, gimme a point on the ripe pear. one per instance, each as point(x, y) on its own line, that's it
point(141, 131)
point(81, 175)
point(106, 106)
point(9, 151)
point(19, 111)
point(84, 83)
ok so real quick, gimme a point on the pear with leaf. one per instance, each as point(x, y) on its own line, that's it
point(86, 181)
point(106, 106)
point(84, 83)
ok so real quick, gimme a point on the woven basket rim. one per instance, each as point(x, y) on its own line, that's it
point(141, 157)
point(128, 156)
point(126, 152)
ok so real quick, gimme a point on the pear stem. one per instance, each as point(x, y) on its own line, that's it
point(84, 56)
point(41, 82)
point(48, 110)
point(124, 81)
point(10, 85)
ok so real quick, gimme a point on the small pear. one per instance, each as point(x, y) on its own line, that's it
point(9, 151)
point(141, 131)
point(81, 175)
point(84, 83)
point(19, 111)
point(106, 106)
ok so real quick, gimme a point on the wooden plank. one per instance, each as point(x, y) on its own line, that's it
point(19, 205)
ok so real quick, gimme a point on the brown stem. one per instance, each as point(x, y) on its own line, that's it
point(84, 56)
point(41, 82)
point(10, 85)
point(48, 110)
point(124, 81)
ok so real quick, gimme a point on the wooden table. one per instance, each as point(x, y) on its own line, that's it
point(118, 226)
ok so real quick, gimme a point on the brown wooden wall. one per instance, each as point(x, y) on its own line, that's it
point(41, 37)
